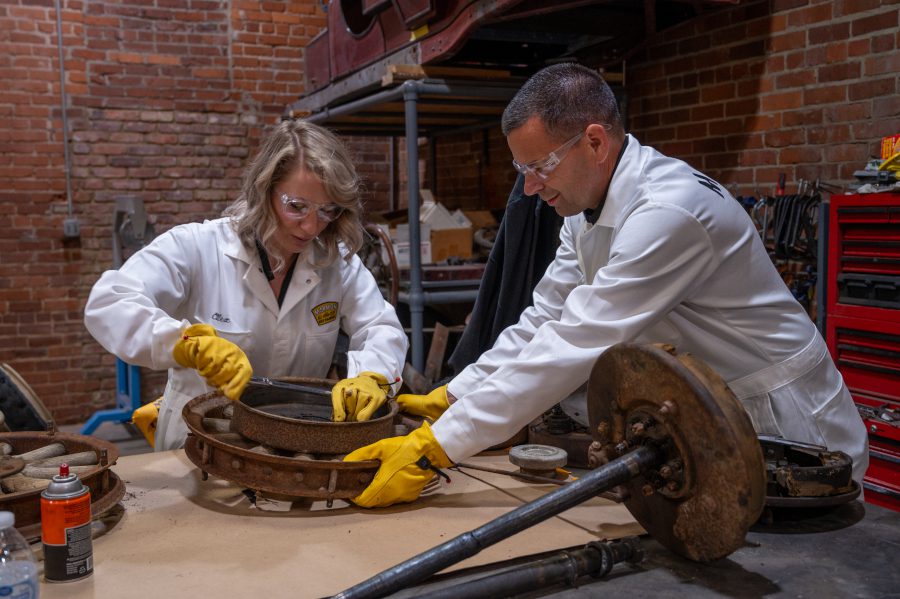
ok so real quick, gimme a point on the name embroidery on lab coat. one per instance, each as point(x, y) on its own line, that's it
point(325, 312)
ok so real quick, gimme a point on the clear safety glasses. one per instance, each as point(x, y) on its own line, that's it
point(543, 167)
point(300, 209)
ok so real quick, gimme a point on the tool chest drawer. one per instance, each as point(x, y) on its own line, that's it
point(867, 352)
point(869, 290)
point(882, 419)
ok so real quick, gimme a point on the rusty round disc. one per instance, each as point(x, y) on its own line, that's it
point(299, 421)
point(710, 488)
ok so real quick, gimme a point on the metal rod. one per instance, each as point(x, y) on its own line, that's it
point(466, 545)
point(595, 559)
point(521, 475)
point(260, 382)
point(416, 298)
point(63, 104)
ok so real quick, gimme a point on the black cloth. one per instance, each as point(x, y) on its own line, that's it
point(525, 246)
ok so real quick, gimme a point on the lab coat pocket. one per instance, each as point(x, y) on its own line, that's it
point(759, 408)
point(318, 351)
point(242, 339)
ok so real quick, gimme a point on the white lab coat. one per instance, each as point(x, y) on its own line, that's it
point(672, 258)
point(202, 273)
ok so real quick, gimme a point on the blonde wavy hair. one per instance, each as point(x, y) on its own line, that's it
point(292, 145)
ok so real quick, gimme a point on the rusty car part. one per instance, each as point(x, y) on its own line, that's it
point(241, 460)
point(538, 460)
point(804, 475)
point(652, 410)
point(106, 488)
point(557, 429)
point(595, 559)
point(702, 498)
point(300, 421)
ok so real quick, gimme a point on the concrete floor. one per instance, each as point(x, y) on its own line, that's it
point(126, 437)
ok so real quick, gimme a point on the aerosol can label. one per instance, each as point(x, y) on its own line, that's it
point(66, 535)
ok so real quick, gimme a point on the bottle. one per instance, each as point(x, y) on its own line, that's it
point(18, 566)
point(66, 528)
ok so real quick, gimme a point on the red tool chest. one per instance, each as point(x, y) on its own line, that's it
point(863, 325)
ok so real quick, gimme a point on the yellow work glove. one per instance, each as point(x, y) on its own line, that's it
point(221, 362)
point(357, 399)
point(430, 406)
point(145, 417)
point(407, 464)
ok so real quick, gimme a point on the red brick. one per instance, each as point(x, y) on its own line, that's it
point(885, 20)
point(825, 95)
point(839, 72)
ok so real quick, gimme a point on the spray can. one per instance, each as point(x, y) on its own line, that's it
point(66, 528)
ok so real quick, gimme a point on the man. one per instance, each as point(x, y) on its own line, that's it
point(651, 251)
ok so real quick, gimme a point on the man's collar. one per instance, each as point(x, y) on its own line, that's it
point(592, 214)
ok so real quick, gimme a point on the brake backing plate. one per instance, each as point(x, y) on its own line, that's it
point(711, 487)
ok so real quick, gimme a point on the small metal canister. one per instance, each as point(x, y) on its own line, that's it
point(66, 528)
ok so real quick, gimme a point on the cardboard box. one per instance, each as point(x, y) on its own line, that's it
point(447, 243)
point(400, 238)
point(480, 219)
point(451, 233)
point(402, 253)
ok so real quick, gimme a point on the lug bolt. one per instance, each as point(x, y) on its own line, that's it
point(603, 431)
point(667, 409)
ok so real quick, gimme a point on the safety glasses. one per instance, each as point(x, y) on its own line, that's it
point(545, 166)
point(298, 209)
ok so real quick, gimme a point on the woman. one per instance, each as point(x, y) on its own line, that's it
point(267, 286)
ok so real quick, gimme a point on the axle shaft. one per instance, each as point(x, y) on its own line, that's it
point(466, 545)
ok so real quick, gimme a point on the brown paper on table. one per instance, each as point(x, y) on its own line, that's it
point(180, 536)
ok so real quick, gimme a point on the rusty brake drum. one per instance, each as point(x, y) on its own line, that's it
point(299, 421)
point(711, 487)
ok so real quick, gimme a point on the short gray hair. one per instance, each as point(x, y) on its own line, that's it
point(292, 145)
point(566, 97)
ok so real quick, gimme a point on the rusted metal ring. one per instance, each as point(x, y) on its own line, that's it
point(259, 416)
point(229, 456)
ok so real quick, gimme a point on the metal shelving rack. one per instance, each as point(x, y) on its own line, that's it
point(414, 108)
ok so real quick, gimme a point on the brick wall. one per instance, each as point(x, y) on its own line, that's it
point(166, 101)
point(803, 87)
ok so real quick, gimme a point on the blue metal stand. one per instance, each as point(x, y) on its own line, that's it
point(128, 398)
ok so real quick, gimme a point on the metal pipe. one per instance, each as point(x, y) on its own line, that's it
point(466, 545)
point(595, 559)
point(416, 297)
point(63, 103)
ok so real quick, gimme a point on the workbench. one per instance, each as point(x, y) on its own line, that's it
point(175, 535)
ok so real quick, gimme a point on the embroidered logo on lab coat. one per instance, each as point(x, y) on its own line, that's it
point(325, 312)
